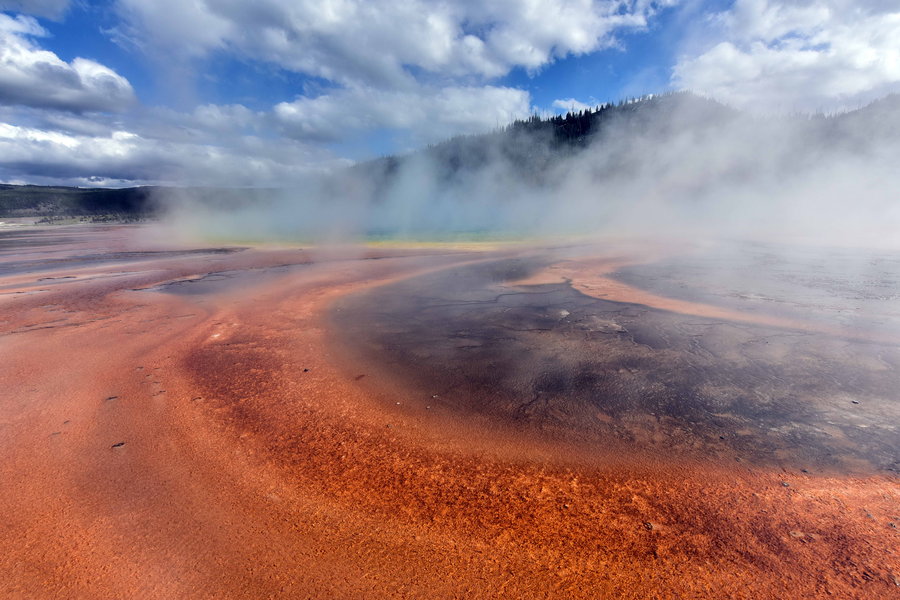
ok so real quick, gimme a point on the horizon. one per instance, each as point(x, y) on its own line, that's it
point(127, 93)
point(500, 129)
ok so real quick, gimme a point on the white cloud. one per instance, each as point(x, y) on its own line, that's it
point(420, 68)
point(375, 42)
point(50, 9)
point(148, 154)
point(232, 117)
point(570, 105)
point(31, 76)
point(428, 114)
point(787, 56)
point(232, 144)
point(424, 70)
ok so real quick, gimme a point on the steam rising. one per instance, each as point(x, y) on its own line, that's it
point(676, 165)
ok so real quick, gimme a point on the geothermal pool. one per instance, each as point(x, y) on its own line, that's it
point(774, 362)
point(621, 419)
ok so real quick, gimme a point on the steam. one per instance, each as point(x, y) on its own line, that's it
point(676, 166)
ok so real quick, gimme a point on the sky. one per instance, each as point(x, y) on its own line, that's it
point(264, 93)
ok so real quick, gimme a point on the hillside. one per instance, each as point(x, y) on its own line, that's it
point(613, 141)
point(534, 145)
point(125, 204)
point(45, 201)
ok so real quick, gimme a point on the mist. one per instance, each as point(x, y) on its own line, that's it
point(672, 166)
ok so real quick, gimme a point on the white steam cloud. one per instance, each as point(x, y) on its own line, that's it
point(677, 165)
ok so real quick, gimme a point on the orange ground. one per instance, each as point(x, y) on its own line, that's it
point(219, 446)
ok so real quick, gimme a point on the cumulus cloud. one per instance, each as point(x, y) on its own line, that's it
point(798, 55)
point(428, 114)
point(31, 76)
point(421, 70)
point(424, 70)
point(79, 150)
point(374, 42)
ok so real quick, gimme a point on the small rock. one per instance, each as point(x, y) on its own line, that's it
point(118, 445)
point(111, 398)
point(785, 484)
point(306, 370)
point(855, 401)
point(648, 526)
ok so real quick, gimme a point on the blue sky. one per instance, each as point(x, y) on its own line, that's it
point(127, 92)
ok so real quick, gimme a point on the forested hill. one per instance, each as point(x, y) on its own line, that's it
point(532, 149)
point(535, 144)
point(576, 127)
point(528, 150)
point(102, 204)
point(532, 144)
point(45, 201)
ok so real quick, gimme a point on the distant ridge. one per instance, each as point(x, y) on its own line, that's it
point(104, 204)
point(531, 147)
point(58, 201)
point(534, 146)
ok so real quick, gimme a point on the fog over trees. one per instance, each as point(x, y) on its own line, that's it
point(662, 161)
